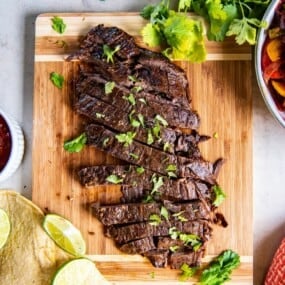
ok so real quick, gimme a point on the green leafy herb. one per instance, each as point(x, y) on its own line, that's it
point(155, 220)
point(109, 86)
point(220, 268)
point(76, 144)
point(164, 213)
point(58, 24)
point(134, 156)
point(173, 232)
point(135, 123)
point(99, 115)
point(148, 199)
point(150, 139)
point(114, 179)
point(219, 195)
point(126, 138)
point(170, 170)
point(137, 89)
point(57, 79)
point(143, 101)
point(140, 170)
point(190, 239)
point(132, 78)
point(180, 217)
point(187, 272)
point(166, 146)
point(156, 131)
point(161, 120)
point(130, 98)
point(109, 53)
point(174, 248)
point(141, 119)
point(183, 36)
point(157, 183)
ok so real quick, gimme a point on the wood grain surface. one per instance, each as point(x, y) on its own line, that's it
point(221, 89)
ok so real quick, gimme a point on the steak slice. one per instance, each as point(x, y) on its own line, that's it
point(140, 212)
point(139, 246)
point(148, 157)
point(158, 257)
point(127, 233)
point(146, 104)
point(192, 258)
point(103, 113)
point(157, 73)
point(138, 182)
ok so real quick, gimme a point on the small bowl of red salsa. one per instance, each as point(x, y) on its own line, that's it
point(11, 146)
point(270, 60)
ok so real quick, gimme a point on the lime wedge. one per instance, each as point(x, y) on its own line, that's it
point(4, 227)
point(64, 234)
point(80, 271)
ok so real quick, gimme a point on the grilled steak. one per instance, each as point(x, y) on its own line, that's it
point(169, 140)
point(124, 234)
point(146, 156)
point(143, 103)
point(139, 105)
point(139, 246)
point(192, 258)
point(158, 257)
point(138, 182)
point(155, 73)
point(139, 212)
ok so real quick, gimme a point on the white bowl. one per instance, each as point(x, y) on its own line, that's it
point(17, 147)
point(265, 91)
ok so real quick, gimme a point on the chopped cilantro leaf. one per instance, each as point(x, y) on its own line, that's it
point(76, 144)
point(109, 53)
point(140, 170)
point(161, 120)
point(57, 79)
point(134, 156)
point(130, 98)
point(114, 179)
point(109, 86)
point(187, 272)
point(164, 213)
point(126, 138)
point(58, 25)
point(154, 219)
point(150, 139)
point(99, 115)
point(174, 248)
point(219, 195)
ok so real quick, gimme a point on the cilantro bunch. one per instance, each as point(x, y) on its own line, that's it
point(182, 37)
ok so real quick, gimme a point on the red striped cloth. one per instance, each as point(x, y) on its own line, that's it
point(276, 273)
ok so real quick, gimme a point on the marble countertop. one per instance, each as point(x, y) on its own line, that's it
point(16, 80)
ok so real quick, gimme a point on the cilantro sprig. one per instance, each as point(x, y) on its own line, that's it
point(184, 36)
point(58, 24)
point(76, 144)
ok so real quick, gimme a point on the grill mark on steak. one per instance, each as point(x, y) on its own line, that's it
point(108, 115)
point(140, 212)
point(156, 72)
point(138, 246)
point(176, 116)
point(148, 157)
point(127, 233)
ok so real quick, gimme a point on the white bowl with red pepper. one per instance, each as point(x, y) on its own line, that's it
point(270, 60)
point(11, 145)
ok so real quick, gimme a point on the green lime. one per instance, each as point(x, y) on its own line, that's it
point(80, 271)
point(64, 234)
point(4, 227)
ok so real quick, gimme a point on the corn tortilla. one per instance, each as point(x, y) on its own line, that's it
point(30, 256)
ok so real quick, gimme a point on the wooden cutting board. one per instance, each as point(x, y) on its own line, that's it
point(221, 89)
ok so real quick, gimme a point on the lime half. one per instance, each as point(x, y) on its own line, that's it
point(64, 234)
point(4, 227)
point(80, 271)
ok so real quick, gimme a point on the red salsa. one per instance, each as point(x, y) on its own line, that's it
point(5, 143)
